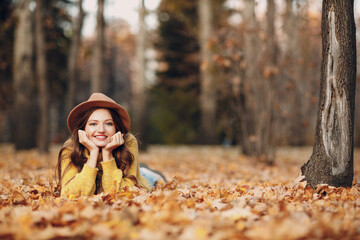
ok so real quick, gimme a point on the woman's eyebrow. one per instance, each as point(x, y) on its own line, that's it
point(95, 120)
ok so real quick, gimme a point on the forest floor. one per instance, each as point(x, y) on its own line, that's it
point(212, 193)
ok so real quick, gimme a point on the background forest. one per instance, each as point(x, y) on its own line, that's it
point(211, 72)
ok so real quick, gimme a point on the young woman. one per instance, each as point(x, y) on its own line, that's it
point(101, 155)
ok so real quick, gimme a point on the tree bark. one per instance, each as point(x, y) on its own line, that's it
point(23, 115)
point(140, 81)
point(41, 74)
point(97, 80)
point(73, 55)
point(208, 89)
point(332, 159)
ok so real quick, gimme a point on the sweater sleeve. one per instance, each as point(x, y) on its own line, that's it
point(113, 177)
point(74, 183)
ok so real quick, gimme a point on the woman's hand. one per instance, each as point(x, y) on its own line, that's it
point(86, 142)
point(116, 140)
point(91, 146)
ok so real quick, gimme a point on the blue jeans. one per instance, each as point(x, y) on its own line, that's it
point(146, 173)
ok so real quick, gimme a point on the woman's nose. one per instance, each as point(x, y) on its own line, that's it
point(101, 128)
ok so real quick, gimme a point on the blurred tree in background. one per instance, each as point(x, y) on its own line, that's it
point(207, 96)
point(24, 117)
point(256, 107)
point(41, 76)
point(99, 48)
point(300, 63)
point(140, 116)
point(73, 63)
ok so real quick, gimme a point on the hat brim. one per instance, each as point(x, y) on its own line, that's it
point(83, 107)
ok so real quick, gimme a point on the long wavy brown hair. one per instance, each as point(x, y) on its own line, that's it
point(123, 156)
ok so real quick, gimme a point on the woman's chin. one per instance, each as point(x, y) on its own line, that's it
point(101, 144)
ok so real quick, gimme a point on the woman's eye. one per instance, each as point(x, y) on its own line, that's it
point(92, 124)
point(109, 124)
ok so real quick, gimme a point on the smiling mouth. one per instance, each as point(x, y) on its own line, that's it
point(101, 138)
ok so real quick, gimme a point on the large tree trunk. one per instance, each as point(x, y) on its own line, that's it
point(208, 90)
point(73, 55)
point(97, 80)
point(24, 113)
point(332, 159)
point(256, 115)
point(140, 80)
point(41, 74)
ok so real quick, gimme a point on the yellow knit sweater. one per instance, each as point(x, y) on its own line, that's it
point(76, 183)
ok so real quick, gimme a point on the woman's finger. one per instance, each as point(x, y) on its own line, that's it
point(80, 136)
point(122, 139)
point(116, 138)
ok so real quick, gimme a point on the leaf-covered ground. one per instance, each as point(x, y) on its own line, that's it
point(212, 193)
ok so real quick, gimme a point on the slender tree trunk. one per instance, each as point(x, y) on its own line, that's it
point(271, 42)
point(256, 117)
point(332, 159)
point(73, 55)
point(41, 74)
point(295, 131)
point(24, 113)
point(140, 80)
point(208, 91)
point(97, 80)
point(251, 76)
point(270, 73)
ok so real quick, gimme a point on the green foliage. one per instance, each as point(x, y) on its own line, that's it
point(174, 107)
point(173, 116)
point(178, 46)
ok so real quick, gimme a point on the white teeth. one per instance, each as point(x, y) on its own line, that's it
point(100, 137)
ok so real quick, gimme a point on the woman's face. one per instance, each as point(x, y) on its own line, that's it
point(100, 127)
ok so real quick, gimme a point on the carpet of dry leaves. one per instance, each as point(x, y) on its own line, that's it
point(212, 193)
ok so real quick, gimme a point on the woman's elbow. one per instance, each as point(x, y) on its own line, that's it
point(72, 193)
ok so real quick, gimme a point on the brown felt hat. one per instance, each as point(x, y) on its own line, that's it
point(102, 101)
